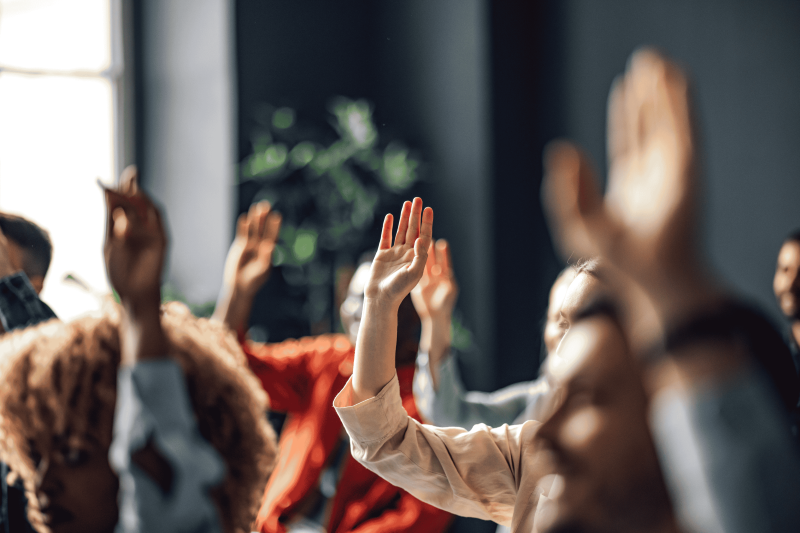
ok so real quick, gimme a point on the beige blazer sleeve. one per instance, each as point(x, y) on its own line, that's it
point(487, 473)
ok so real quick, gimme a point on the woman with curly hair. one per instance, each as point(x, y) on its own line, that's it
point(108, 432)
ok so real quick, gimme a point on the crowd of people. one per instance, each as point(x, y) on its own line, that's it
point(665, 403)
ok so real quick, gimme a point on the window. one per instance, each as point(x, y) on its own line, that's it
point(60, 72)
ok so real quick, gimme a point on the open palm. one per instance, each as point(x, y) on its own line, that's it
point(135, 241)
point(250, 258)
point(645, 224)
point(398, 267)
point(435, 294)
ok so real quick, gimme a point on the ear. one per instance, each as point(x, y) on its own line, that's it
point(37, 282)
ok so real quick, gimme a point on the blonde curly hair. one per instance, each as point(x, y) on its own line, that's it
point(60, 379)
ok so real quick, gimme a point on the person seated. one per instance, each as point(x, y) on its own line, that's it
point(438, 389)
point(648, 344)
point(316, 485)
point(140, 418)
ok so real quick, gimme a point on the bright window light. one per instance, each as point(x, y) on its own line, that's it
point(57, 136)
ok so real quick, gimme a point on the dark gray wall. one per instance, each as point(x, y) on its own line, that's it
point(744, 57)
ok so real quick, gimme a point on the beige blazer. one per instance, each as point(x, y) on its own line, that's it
point(487, 473)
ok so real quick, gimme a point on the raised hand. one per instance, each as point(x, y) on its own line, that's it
point(646, 223)
point(398, 267)
point(135, 241)
point(435, 295)
point(134, 254)
point(250, 258)
point(434, 298)
point(248, 264)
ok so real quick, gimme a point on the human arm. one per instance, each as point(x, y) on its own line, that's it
point(395, 270)
point(715, 423)
point(451, 405)
point(476, 473)
point(434, 299)
point(165, 466)
point(287, 369)
point(248, 264)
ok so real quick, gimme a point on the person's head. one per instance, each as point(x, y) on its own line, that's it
point(786, 282)
point(29, 247)
point(408, 322)
point(57, 398)
point(598, 435)
point(553, 327)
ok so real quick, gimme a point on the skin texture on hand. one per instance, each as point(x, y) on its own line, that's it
point(397, 268)
point(134, 253)
point(248, 264)
point(434, 298)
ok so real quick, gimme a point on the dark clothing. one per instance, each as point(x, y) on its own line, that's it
point(20, 307)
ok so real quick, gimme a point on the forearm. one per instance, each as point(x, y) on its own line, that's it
point(375, 350)
point(233, 308)
point(141, 334)
point(435, 340)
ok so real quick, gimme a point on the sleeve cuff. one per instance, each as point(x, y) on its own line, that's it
point(374, 420)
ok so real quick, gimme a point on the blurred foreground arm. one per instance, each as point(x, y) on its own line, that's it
point(154, 423)
point(724, 445)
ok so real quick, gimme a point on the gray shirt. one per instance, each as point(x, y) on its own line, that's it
point(451, 406)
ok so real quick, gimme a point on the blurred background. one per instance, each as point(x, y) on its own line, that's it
point(336, 111)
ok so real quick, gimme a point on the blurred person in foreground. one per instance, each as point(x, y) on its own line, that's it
point(651, 343)
point(438, 389)
point(140, 419)
point(316, 486)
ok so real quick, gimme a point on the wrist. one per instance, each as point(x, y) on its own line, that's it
point(379, 307)
point(143, 306)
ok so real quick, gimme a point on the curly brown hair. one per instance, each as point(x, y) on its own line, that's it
point(60, 379)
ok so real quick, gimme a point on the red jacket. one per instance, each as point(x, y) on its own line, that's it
point(302, 377)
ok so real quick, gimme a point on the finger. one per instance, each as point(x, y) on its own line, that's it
point(414, 221)
point(273, 227)
point(128, 182)
point(422, 244)
point(241, 226)
point(402, 226)
point(263, 211)
point(561, 189)
point(252, 221)
point(431, 262)
point(386, 232)
point(426, 229)
point(443, 257)
point(267, 209)
point(120, 223)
